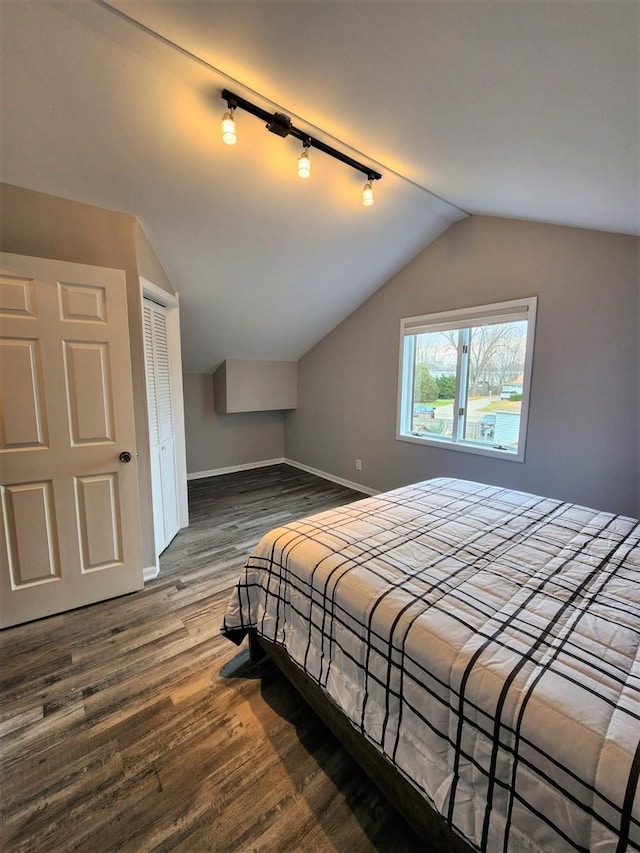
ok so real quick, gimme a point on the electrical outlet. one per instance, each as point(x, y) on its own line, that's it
point(358, 464)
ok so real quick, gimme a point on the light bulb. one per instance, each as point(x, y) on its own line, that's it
point(304, 164)
point(229, 129)
point(367, 194)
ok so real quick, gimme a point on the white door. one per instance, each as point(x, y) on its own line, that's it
point(161, 425)
point(70, 528)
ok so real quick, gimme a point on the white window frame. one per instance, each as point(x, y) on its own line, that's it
point(464, 318)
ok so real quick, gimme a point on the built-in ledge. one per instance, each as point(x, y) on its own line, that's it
point(241, 385)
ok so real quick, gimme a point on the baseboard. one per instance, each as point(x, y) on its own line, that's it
point(349, 484)
point(265, 463)
point(150, 572)
point(231, 469)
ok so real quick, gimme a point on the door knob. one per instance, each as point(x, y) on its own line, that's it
point(125, 456)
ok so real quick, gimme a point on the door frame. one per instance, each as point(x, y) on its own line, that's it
point(171, 303)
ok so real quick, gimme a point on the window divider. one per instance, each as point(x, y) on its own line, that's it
point(462, 383)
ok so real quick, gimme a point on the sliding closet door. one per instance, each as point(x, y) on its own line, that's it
point(161, 425)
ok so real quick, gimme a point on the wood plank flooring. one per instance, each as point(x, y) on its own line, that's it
point(132, 725)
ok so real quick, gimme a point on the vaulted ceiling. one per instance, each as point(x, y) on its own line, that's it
point(517, 108)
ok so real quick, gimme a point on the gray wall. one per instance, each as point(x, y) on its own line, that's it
point(220, 441)
point(149, 266)
point(45, 226)
point(582, 440)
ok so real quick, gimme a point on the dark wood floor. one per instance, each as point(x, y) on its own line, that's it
point(133, 725)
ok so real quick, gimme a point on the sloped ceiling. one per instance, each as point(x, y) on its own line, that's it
point(518, 108)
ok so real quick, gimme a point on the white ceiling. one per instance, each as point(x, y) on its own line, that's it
point(517, 108)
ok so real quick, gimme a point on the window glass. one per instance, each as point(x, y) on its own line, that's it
point(496, 382)
point(434, 379)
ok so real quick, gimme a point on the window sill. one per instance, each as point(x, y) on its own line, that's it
point(478, 450)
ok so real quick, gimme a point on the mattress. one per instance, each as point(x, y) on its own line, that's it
point(485, 641)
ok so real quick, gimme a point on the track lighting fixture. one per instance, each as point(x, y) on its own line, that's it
point(229, 136)
point(280, 124)
point(304, 163)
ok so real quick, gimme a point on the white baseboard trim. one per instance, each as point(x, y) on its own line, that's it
point(265, 463)
point(231, 469)
point(150, 572)
point(357, 487)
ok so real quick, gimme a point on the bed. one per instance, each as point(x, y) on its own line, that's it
point(480, 645)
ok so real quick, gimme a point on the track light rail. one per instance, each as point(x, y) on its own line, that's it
point(280, 124)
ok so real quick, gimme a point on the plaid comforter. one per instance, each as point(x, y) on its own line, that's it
point(486, 641)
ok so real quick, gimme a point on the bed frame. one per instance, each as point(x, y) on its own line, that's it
point(425, 821)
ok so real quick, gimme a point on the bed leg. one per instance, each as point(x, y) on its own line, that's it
point(256, 653)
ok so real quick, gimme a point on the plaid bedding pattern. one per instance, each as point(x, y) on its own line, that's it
point(486, 641)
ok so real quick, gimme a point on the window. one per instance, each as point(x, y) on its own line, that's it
point(464, 378)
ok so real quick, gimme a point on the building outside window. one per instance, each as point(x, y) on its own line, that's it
point(465, 377)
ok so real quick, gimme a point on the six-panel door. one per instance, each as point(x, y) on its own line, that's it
point(70, 527)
